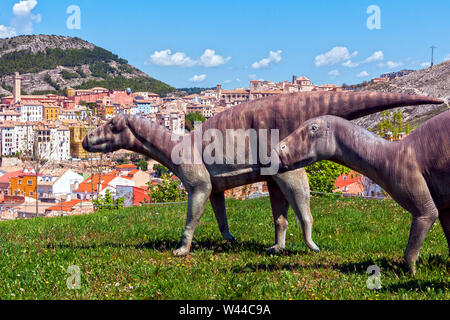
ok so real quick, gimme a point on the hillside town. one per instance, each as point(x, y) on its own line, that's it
point(48, 130)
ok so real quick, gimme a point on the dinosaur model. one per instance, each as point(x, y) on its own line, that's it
point(414, 171)
point(280, 114)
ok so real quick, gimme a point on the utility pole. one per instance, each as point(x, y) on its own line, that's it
point(432, 55)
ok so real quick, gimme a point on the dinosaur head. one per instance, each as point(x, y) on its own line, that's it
point(310, 143)
point(108, 137)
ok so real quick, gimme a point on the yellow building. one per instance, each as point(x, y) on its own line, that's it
point(51, 112)
point(77, 134)
point(23, 185)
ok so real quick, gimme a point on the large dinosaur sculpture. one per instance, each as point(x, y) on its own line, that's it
point(202, 181)
point(414, 171)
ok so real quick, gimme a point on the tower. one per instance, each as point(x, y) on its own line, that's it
point(17, 88)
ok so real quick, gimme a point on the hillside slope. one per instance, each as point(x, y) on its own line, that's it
point(52, 63)
point(434, 82)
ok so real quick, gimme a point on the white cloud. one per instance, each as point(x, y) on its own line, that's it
point(7, 32)
point(363, 74)
point(350, 64)
point(165, 58)
point(376, 56)
point(211, 59)
point(391, 64)
point(198, 78)
point(228, 81)
point(334, 56)
point(425, 64)
point(447, 57)
point(334, 73)
point(252, 76)
point(23, 19)
point(24, 7)
point(238, 80)
point(264, 63)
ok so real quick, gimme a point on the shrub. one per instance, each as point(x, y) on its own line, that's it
point(107, 202)
point(167, 191)
point(323, 174)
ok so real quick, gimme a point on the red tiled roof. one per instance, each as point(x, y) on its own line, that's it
point(64, 206)
point(346, 179)
point(126, 166)
point(133, 172)
point(7, 176)
point(140, 195)
point(86, 185)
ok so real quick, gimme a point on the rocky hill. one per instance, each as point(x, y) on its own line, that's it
point(433, 82)
point(50, 64)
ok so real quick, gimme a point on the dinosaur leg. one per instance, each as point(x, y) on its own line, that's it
point(197, 198)
point(423, 218)
point(218, 205)
point(444, 218)
point(280, 207)
point(295, 187)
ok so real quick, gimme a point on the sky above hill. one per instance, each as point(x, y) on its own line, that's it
point(202, 43)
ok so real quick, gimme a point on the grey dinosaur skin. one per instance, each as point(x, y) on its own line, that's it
point(203, 181)
point(414, 171)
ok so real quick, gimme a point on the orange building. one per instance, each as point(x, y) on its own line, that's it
point(51, 112)
point(23, 185)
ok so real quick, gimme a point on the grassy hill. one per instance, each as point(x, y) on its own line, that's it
point(53, 63)
point(127, 254)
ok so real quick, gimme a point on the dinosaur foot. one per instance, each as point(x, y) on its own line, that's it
point(182, 251)
point(229, 237)
point(313, 246)
point(275, 249)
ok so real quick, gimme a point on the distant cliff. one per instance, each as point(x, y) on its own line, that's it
point(53, 63)
point(433, 82)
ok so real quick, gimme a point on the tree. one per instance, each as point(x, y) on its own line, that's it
point(391, 125)
point(167, 191)
point(323, 174)
point(193, 117)
point(143, 165)
point(107, 202)
point(160, 170)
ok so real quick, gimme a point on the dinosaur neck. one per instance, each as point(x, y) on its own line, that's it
point(363, 151)
point(153, 140)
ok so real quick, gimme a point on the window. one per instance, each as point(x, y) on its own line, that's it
point(30, 182)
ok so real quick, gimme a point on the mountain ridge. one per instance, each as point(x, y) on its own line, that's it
point(50, 64)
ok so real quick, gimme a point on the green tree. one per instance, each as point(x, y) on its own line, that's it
point(392, 124)
point(193, 117)
point(323, 174)
point(143, 165)
point(107, 202)
point(167, 191)
point(160, 170)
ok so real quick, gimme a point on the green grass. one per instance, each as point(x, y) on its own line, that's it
point(127, 254)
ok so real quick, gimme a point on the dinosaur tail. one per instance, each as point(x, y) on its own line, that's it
point(352, 105)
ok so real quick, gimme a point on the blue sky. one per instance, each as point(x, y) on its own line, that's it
point(202, 43)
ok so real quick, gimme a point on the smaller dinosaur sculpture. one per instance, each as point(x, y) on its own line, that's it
point(414, 171)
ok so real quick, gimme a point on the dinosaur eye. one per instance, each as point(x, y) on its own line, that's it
point(283, 147)
point(314, 127)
